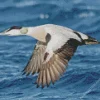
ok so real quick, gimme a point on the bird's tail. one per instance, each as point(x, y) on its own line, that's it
point(91, 40)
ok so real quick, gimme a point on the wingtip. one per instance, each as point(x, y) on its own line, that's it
point(23, 73)
point(48, 85)
point(27, 74)
point(42, 87)
point(37, 86)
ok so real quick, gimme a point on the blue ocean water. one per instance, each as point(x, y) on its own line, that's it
point(81, 79)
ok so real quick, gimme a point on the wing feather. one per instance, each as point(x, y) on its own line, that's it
point(51, 70)
point(55, 72)
point(48, 77)
point(53, 78)
point(44, 78)
point(59, 68)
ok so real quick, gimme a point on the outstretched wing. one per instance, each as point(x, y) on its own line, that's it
point(36, 60)
point(54, 68)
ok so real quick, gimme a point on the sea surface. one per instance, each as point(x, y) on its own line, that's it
point(81, 81)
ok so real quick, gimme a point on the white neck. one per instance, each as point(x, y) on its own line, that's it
point(37, 33)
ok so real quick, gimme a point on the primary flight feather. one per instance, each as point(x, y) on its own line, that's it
point(55, 47)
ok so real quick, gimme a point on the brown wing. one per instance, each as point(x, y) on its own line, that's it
point(36, 59)
point(54, 68)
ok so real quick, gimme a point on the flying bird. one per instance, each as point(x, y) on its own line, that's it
point(55, 47)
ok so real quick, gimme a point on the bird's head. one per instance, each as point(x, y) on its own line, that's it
point(35, 32)
point(15, 30)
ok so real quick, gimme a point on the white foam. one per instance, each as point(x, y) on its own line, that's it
point(86, 14)
point(44, 16)
point(25, 3)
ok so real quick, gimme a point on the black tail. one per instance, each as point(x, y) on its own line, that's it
point(91, 40)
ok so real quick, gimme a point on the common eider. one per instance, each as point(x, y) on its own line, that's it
point(53, 50)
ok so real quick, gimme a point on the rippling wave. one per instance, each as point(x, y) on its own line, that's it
point(80, 81)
